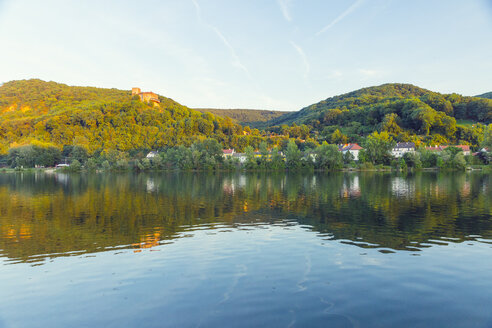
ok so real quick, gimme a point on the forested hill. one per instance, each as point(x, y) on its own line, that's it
point(35, 111)
point(487, 95)
point(402, 109)
point(250, 117)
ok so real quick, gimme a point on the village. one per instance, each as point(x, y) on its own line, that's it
point(335, 157)
point(353, 148)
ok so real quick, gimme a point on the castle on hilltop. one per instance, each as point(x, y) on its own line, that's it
point(146, 96)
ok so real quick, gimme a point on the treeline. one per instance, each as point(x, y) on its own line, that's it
point(292, 155)
point(250, 117)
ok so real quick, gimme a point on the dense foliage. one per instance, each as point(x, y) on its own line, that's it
point(102, 119)
point(250, 117)
point(406, 112)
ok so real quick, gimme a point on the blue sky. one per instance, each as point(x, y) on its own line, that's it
point(272, 54)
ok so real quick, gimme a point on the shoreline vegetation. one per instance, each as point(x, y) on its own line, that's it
point(209, 155)
point(383, 169)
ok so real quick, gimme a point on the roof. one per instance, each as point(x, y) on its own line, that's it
point(462, 147)
point(435, 148)
point(355, 147)
point(347, 147)
point(441, 148)
point(228, 151)
point(405, 145)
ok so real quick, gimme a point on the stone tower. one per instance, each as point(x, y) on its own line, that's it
point(135, 91)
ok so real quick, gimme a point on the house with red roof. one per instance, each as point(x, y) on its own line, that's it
point(227, 153)
point(464, 148)
point(352, 148)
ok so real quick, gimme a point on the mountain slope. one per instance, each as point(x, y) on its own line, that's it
point(487, 95)
point(402, 109)
point(97, 118)
point(249, 117)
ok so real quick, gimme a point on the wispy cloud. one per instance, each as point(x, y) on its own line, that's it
point(284, 8)
point(340, 17)
point(236, 61)
point(305, 61)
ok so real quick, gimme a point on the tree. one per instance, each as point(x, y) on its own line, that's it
point(459, 161)
point(264, 155)
point(75, 166)
point(412, 160)
point(79, 153)
point(328, 157)
point(338, 138)
point(250, 158)
point(293, 156)
point(487, 138)
point(378, 147)
point(348, 158)
point(277, 162)
point(91, 164)
point(390, 124)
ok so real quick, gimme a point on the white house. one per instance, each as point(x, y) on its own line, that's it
point(227, 153)
point(240, 156)
point(401, 148)
point(354, 149)
point(152, 154)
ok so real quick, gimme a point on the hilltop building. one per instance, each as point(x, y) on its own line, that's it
point(146, 96)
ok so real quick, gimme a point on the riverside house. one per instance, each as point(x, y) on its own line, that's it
point(464, 148)
point(401, 148)
point(353, 149)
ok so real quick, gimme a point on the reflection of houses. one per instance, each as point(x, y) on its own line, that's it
point(353, 149)
point(150, 185)
point(402, 148)
point(351, 188)
point(401, 187)
point(241, 157)
point(230, 185)
point(464, 148)
point(146, 96)
point(148, 241)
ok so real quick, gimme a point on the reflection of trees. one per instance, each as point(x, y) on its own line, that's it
point(48, 214)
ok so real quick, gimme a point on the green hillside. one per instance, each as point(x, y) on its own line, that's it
point(35, 111)
point(487, 95)
point(404, 110)
point(249, 117)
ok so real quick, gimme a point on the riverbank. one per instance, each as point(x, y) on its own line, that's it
point(362, 168)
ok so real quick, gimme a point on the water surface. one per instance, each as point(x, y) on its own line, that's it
point(242, 250)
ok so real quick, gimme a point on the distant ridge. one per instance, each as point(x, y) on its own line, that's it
point(487, 95)
point(407, 111)
point(245, 116)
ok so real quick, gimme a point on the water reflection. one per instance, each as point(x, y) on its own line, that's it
point(44, 216)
